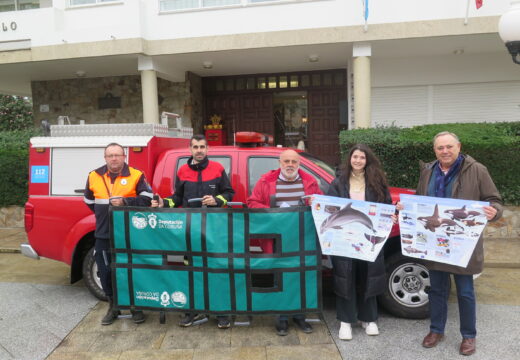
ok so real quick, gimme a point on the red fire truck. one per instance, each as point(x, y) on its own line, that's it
point(60, 226)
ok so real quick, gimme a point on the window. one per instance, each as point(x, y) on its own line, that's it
point(89, 2)
point(257, 166)
point(209, 3)
point(261, 83)
point(283, 82)
point(170, 5)
point(324, 186)
point(12, 5)
point(7, 5)
point(274, 82)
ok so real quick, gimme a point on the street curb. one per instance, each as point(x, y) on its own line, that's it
point(9, 251)
point(505, 265)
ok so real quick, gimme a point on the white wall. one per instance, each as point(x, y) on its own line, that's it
point(445, 89)
point(438, 104)
point(141, 18)
point(467, 68)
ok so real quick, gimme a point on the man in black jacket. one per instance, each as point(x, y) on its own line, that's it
point(202, 179)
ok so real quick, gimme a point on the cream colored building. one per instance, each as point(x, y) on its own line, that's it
point(296, 68)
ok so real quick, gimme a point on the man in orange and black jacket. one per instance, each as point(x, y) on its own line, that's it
point(200, 178)
point(113, 184)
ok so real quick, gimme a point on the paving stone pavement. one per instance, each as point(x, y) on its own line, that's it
point(43, 316)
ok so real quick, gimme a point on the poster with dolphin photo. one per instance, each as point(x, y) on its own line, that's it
point(440, 229)
point(352, 228)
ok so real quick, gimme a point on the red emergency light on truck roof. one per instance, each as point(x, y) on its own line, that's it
point(252, 139)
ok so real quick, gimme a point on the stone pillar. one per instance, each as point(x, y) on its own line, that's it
point(362, 85)
point(149, 89)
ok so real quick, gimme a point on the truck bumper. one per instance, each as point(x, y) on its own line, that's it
point(28, 251)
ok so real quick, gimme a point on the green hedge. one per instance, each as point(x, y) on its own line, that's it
point(496, 145)
point(14, 166)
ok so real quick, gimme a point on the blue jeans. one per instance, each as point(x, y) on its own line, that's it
point(439, 292)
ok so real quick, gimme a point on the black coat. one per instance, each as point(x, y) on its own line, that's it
point(342, 266)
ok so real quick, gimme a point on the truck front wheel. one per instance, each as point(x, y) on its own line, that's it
point(90, 275)
point(407, 287)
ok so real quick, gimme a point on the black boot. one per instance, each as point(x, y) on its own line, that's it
point(111, 314)
point(137, 316)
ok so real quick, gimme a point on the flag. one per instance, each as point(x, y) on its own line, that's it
point(479, 3)
point(366, 8)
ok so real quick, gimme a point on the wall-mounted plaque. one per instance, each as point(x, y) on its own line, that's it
point(109, 101)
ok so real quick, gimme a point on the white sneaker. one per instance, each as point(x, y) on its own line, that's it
point(370, 328)
point(345, 331)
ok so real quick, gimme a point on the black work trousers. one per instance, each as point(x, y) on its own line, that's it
point(103, 260)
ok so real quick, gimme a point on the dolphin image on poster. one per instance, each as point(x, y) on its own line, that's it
point(346, 215)
point(352, 228)
point(462, 213)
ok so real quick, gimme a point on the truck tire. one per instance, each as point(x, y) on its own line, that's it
point(90, 276)
point(408, 284)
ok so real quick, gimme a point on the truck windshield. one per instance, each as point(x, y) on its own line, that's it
point(322, 164)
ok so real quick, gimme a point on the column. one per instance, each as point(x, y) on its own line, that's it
point(149, 90)
point(362, 86)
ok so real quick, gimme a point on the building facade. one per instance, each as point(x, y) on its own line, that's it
point(299, 69)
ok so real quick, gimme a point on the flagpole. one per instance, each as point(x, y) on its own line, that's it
point(365, 14)
point(467, 14)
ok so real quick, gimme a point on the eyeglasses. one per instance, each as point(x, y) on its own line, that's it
point(114, 156)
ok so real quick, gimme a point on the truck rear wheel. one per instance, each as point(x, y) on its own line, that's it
point(90, 276)
point(408, 284)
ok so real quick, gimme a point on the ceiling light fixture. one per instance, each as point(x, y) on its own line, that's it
point(207, 65)
point(81, 73)
point(314, 58)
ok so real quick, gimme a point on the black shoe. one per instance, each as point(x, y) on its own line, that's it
point(223, 322)
point(111, 314)
point(137, 316)
point(303, 325)
point(282, 327)
point(192, 319)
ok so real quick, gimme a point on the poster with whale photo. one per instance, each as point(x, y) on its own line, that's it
point(352, 228)
point(440, 229)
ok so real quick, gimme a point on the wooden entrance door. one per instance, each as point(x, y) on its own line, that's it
point(323, 133)
point(228, 108)
point(243, 112)
point(256, 113)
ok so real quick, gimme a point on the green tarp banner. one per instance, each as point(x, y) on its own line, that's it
point(201, 260)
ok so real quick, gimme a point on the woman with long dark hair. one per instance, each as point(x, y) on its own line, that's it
point(358, 282)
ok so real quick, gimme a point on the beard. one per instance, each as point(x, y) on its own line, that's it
point(289, 172)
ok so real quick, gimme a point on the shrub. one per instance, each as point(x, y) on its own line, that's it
point(496, 145)
point(15, 113)
point(14, 165)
